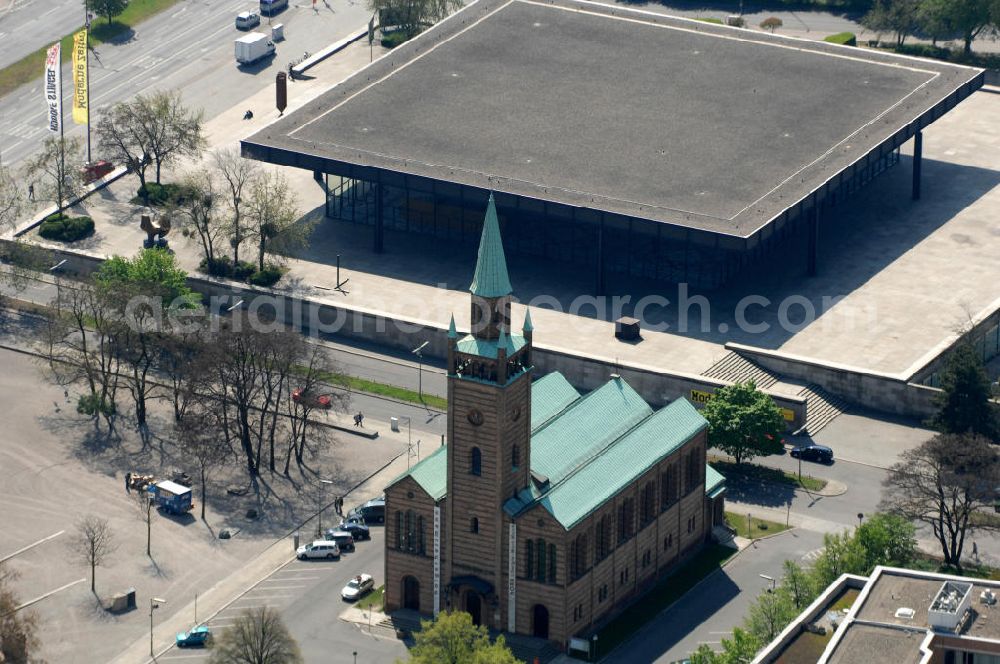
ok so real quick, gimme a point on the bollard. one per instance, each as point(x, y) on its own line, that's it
point(295, 540)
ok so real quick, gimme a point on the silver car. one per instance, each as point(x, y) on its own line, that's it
point(319, 549)
point(357, 587)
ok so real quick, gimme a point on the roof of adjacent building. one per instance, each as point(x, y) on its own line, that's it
point(875, 630)
point(585, 449)
point(714, 128)
point(490, 278)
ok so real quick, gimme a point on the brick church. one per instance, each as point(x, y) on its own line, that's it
point(548, 511)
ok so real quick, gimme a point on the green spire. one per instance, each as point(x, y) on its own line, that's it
point(452, 332)
point(528, 327)
point(502, 341)
point(490, 279)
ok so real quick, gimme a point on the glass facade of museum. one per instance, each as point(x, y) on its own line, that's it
point(599, 241)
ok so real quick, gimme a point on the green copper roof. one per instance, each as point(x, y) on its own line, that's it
point(431, 474)
point(488, 347)
point(528, 327)
point(550, 395)
point(616, 466)
point(714, 481)
point(490, 279)
point(587, 427)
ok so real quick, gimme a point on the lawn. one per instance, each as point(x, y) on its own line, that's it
point(757, 528)
point(380, 389)
point(662, 595)
point(372, 600)
point(31, 66)
point(753, 473)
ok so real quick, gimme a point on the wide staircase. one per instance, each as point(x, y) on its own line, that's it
point(821, 406)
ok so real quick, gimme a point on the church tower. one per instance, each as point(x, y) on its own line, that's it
point(489, 432)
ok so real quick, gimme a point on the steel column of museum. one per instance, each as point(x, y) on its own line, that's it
point(379, 217)
point(812, 221)
point(599, 285)
point(918, 150)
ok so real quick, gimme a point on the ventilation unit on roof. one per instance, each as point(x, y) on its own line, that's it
point(905, 612)
point(949, 605)
point(988, 597)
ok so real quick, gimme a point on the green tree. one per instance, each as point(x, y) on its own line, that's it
point(798, 584)
point(744, 422)
point(966, 18)
point(842, 554)
point(18, 628)
point(257, 637)
point(452, 639)
point(107, 8)
point(964, 402)
point(412, 16)
point(886, 539)
point(945, 483)
point(740, 649)
point(770, 614)
point(11, 200)
point(900, 17)
point(272, 212)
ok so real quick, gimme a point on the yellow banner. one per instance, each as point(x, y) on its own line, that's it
point(80, 115)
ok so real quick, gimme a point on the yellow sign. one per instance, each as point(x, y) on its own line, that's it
point(788, 414)
point(697, 396)
point(80, 114)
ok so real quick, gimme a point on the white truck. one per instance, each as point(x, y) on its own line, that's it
point(252, 47)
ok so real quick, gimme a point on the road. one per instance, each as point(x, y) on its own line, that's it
point(28, 25)
point(189, 48)
point(307, 593)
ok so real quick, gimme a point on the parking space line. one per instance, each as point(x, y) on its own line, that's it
point(31, 546)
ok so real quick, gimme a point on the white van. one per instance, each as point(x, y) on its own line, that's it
point(247, 20)
point(319, 549)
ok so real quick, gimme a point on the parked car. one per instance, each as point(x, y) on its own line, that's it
point(372, 512)
point(343, 539)
point(319, 549)
point(247, 20)
point(357, 529)
point(358, 587)
point(198, 636)
point(819, 453)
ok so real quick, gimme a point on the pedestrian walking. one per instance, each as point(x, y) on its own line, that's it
point(356, 422)
point(31, 192)
point(339, 506)
point(361, 419)
point(975, 551)
point(128, 482)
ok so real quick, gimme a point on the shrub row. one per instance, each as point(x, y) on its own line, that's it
point(162, 194)
point(66, 229)
point(393, 39)
point(244, 271)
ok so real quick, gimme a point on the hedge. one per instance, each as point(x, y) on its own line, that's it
point(66, 229)
point(843, 38)
point(161, 194)
point(393, 39)
point(717, 21)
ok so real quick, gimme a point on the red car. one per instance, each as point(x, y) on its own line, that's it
point(300, 395)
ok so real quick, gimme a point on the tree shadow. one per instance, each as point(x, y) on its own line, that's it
point(111, 33)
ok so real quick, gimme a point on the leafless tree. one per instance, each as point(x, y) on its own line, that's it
point(12, 201)
point(237, 175)
point(272, 214)
point(948, 483)
point(202, 212)
point(318, 378)
point(172, 130)
point(144, 503)
point(257, 637)
point(58, 166)
point(121, 138)
point(200, 442)
point(93, 544)
point(18, 628)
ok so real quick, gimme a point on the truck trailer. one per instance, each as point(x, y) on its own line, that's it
point(171, 497)
point(253, 47)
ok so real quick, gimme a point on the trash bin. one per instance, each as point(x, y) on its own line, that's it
point(277, 32)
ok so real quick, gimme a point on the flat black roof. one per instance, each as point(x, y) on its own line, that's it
point(620, 110)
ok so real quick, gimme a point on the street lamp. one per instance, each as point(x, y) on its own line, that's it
point(355, 657)
point(861, 517)
point(154, 603)
point(394, 426)
point(322, 503)
point(418, 351)
point(768, 578)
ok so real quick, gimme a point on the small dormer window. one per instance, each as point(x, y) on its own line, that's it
point(476, 462)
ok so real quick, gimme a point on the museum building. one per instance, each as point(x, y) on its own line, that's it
point(547, 511)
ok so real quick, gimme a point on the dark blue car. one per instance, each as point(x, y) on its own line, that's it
point(358, 530)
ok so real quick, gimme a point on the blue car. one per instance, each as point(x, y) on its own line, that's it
point(198, 636)
point(358, 530)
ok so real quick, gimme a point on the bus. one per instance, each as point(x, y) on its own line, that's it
point(271, 7)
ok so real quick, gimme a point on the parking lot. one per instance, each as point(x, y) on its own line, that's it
point(307, 593)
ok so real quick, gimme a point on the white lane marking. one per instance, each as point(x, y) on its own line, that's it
point(50, 593)
point(31, 546)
